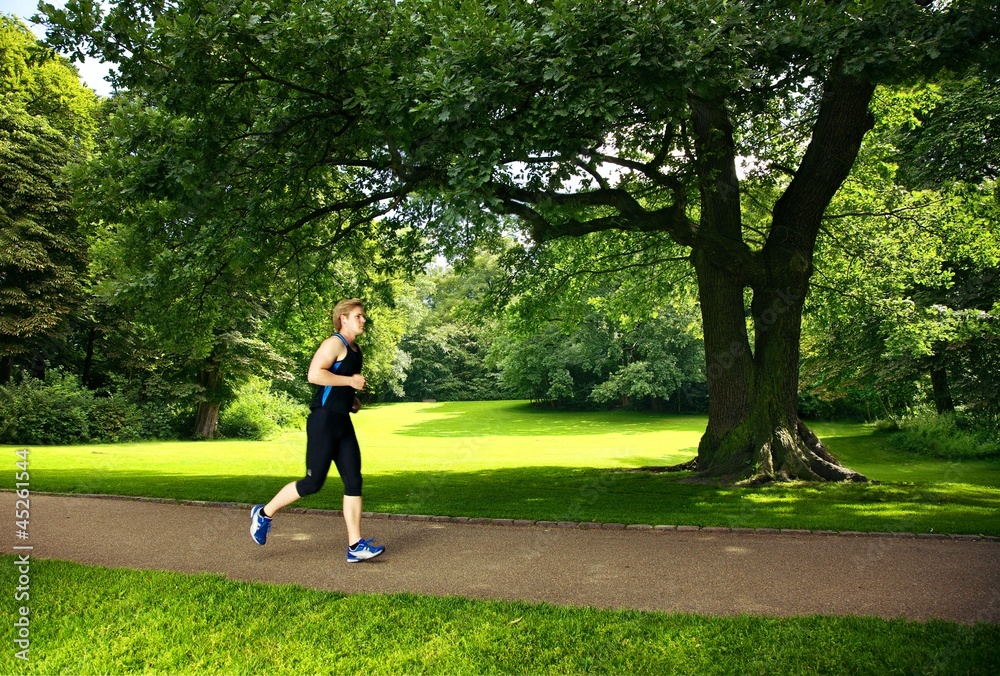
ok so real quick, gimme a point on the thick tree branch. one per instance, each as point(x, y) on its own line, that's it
point(667, 143)
point(842, 122)
point(351, 205)
point(264, 75)
point(619, 200)
point(716, 167)
point(590, 169)
point(650, 170)
point(720, 228)
point(629, 216)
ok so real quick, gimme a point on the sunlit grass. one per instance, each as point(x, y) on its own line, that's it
point(508, 460)
point(464, 436)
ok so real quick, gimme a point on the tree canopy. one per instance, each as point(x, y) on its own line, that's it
point(47, 120)
point(906, 296)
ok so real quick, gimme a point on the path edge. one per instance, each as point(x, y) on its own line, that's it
point(527, 523)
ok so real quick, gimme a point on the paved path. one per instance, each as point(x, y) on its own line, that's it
point(696, 572)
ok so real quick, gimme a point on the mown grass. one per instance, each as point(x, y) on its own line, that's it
point(508, 460)
point(89, 620)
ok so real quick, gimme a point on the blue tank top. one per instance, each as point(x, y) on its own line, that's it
point(339, 399)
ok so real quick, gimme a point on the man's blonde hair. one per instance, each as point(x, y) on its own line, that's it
point(345, 307)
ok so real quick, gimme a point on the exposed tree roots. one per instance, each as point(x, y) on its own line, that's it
point(690, 465)
point(783, 455)
point(788, 456)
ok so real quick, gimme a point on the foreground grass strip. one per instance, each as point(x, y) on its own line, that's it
point(508, 460)
point(88, 620)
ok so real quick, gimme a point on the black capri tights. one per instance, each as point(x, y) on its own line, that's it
point(330, 438)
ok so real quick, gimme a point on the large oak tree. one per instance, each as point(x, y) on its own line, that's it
point(573, 116)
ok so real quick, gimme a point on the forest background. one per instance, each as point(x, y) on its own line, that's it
point(120, 321)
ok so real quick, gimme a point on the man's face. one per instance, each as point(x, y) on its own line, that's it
point(354, 321)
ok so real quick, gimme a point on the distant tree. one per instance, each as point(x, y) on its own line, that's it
point(602, 320)
point(46, 121)
point(908, 313)
point(224, 300)
point(595, 355)
point(45, 85)
point(446, 348)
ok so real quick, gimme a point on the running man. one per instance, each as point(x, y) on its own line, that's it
point(336, 371)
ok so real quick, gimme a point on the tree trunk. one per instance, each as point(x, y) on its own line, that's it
point(753, 432)
point(206, 422)
point(942, 393)
point(6, 369)
point(89, 359)
point(729, 368)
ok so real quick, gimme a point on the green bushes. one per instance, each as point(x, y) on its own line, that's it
point(258, 412)
point(115, 419)
point(54, 411)
point(60, 410)
point(940, 436)
point(812, 406)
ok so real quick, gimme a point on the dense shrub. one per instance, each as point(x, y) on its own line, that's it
point(164, 420)
point(115, 419)
point(60, 410)
point(886, 425)
point(54, 411)
point(941, 436)
point(814, 407)
point(259, 412)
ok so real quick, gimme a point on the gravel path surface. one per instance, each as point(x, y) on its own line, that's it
point(692, 571)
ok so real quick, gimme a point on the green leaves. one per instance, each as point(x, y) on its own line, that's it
point(46, 121)
point(905, 277)
point(957, 138)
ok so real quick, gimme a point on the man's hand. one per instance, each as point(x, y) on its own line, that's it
point(358, 381)
point(356, 406)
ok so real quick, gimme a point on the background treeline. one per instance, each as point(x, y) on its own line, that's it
point(116, 323)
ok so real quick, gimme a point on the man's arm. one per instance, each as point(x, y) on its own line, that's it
point(330, 352)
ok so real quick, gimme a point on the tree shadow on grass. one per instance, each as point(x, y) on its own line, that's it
point(601, 495)
point(479, 419)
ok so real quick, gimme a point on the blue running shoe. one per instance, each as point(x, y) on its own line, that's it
point(364, 550)
point(260, 524)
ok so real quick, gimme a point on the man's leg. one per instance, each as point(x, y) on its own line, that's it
point(319, 451)
point(352, 517)
point(285, 497)
point(349, 465)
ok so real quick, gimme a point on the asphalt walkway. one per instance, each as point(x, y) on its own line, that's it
point(691, 571)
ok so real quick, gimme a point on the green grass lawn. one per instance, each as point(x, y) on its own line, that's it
point(497, 459)
point(509, 460)
point(89, 620)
